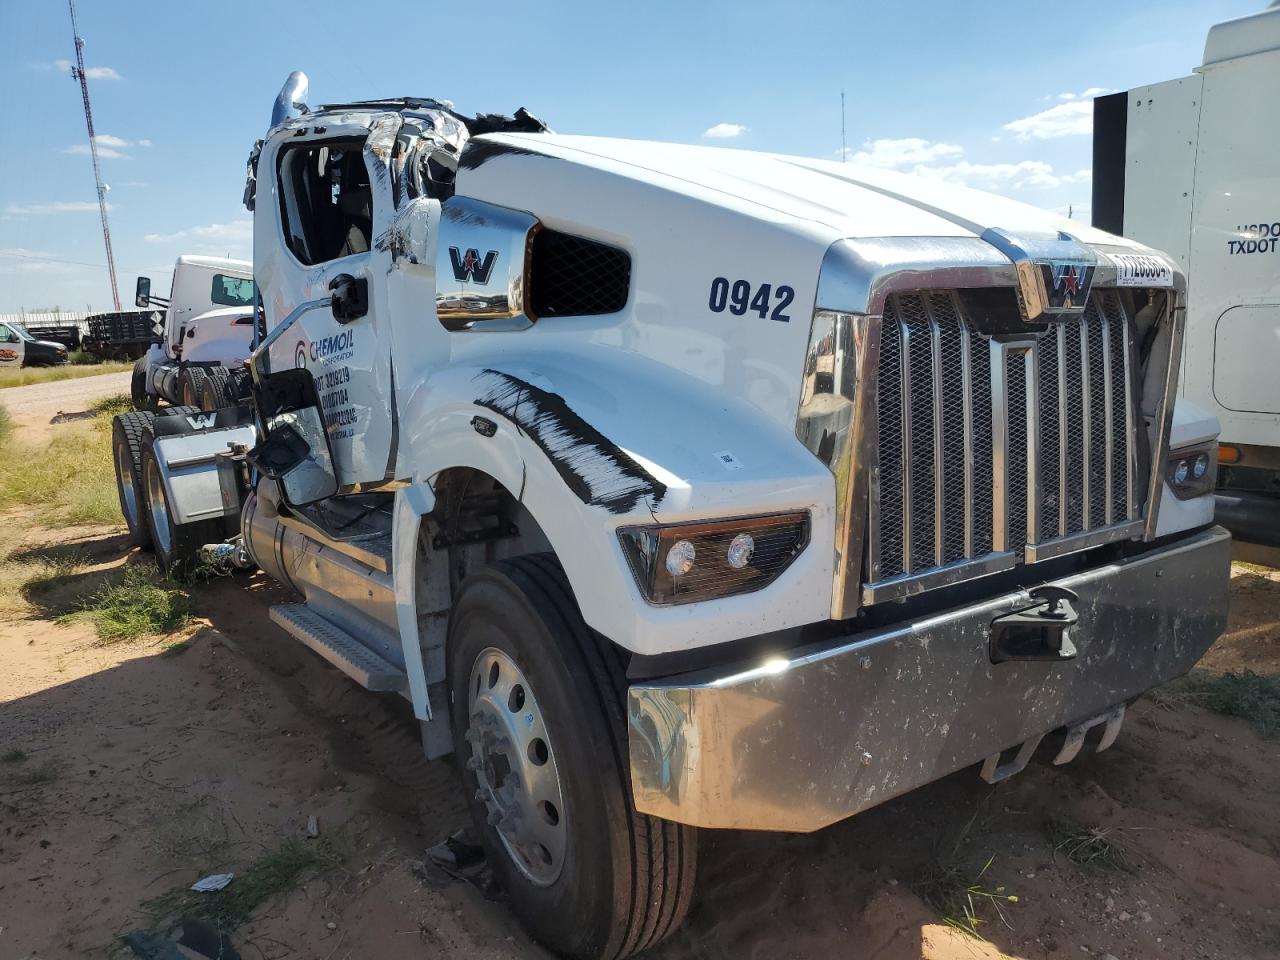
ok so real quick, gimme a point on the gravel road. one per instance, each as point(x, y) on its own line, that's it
point(33, 407)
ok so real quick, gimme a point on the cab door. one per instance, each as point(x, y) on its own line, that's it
point(332, 202)
point(11, 347)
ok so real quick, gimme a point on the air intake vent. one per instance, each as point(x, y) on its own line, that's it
point(576, 277)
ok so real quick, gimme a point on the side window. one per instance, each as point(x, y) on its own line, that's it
point(7, 335)
point(326, 200)
point(231, 291)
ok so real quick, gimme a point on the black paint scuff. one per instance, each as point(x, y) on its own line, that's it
point(597, 471)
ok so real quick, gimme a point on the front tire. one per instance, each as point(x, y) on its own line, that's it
point(537, 704)
point(127, 433)
point(177, 545)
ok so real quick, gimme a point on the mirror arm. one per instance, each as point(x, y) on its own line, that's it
point(259, 361)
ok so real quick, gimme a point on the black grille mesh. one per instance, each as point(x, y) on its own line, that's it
point(575, 277)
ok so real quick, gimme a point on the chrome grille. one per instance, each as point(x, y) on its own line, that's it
point(996, 450)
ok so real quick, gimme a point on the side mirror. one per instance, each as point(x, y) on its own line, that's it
point(142, 295)
point(295, 451)
point(350, 297)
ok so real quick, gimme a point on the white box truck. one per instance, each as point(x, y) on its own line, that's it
point(1192, 166)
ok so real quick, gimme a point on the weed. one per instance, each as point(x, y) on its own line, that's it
point(29, 375)
point(70, 479)
point(83, 358)
point(6, 423)
point(276, 872)
point(1247, 695)
point(138, 605)
point(110, 406)
point(24, 583)
point(13, 755)
point(34, 776)
point(962, 900)
point(176, 649)
point(1095, 847)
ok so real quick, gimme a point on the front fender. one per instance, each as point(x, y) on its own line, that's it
point(593, 442)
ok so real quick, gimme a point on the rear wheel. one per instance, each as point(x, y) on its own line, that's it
point(190, 382)
point(176, 544)
point(215, 392)
point(538, 701)
point(127, 433)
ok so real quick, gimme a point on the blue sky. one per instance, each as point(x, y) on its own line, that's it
point(991, 95)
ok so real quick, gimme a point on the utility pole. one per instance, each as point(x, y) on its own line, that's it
point(77, 73)
point(844, 147)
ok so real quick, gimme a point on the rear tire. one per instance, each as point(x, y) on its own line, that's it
point(138, 387)
point(127, 433)
point(191, 381)
point(176, 545)
point(592, 878)
point(213, 393)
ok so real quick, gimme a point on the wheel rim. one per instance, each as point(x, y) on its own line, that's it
point(128, 488)
point(515, 767)
point(159, 510)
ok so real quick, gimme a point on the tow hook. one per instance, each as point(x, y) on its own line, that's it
point(1037, 632)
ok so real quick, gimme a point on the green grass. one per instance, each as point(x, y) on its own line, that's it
point(1098, 848)
point(25, 376)
point(70, 479)
point(1247, 695)
point(176, 649)
point(276, 872)
point(141, 604)
point(6, 424)
point(962, 897)
point(83, 358)
point(109, 406)
point(13, 755)
point(35, 776)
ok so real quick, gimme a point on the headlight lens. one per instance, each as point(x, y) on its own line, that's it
point(685, 562)
point(1192, 473)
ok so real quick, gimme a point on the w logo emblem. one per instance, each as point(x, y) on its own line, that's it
point(470, 266)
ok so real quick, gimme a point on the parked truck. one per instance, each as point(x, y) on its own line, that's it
point(197, 356)
point(684, 488)
point(1185, 165)
point(19, 348)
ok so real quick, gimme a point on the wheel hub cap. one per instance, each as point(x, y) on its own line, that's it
point(515, 766)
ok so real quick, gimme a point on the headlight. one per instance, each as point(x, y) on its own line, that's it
point(1192, 472)
point(684, 562)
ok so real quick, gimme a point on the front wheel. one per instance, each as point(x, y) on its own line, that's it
point(538, 710)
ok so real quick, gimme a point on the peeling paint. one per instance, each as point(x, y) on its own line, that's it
point(597, 471)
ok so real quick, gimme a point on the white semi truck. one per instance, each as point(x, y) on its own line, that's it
point(208, 328)
point(685, 488)
point(1192, 166)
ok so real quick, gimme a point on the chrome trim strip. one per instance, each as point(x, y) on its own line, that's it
point(1063, 453)
point(966, 389)
point(1035, 552)
point(1034, 494)
point(1175, 315)
point(1133, 396)
point(910, 584)
point(939, 494)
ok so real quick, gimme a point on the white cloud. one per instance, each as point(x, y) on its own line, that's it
point(1017, 176)
point(109, 147)
point(107, 140)
point(93, 73)
point(144, 142)
point(907, 151)
point(53, 206)
point(237, 231)
point(1064, 120)
point(106, 153)
point(725, 131)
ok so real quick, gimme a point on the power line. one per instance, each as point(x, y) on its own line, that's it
point(79, 263)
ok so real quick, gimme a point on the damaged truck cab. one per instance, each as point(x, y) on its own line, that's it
point(681, 487)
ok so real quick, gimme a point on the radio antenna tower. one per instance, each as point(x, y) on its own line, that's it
point(77, 73)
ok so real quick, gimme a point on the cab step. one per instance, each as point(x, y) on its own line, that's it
point(340, 648)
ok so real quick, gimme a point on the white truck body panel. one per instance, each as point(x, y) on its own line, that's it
point(1202, 182)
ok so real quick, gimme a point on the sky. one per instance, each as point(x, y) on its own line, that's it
point(995, 96)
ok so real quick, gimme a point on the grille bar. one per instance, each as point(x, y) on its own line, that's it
point(995, 450)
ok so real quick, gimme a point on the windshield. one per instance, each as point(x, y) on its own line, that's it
point(21, 331)
point(231, 291)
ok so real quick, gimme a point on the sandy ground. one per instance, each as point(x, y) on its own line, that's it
point(158, 770)
point(35, 407)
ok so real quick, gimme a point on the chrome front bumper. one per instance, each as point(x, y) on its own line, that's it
point(813, 737)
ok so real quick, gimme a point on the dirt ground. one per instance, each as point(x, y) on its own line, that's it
point(147, 770)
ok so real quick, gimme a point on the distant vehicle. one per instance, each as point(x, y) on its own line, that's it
point(122, 334)
point(1189, 166)
point(18, 348)
point(198, 358)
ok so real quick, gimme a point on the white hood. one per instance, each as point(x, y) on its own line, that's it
point(851, 200)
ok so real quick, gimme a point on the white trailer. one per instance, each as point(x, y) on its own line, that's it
point(1192, 166)
point(685, 488)
point(208, 329)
